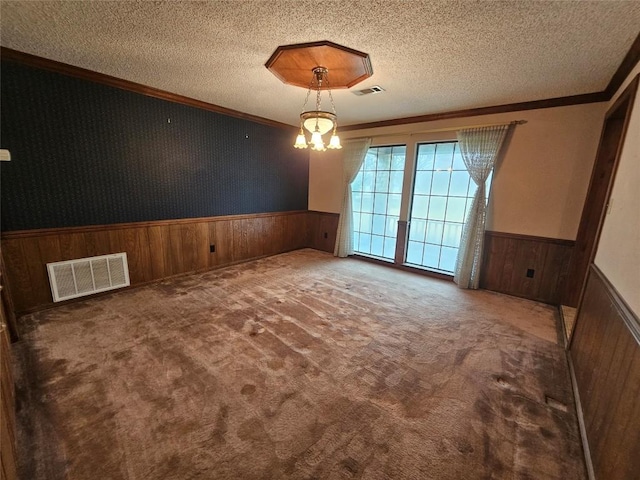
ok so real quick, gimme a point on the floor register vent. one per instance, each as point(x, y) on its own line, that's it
point(84, 276)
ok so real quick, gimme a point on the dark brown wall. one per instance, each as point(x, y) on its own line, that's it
point(323, 228)
point(605, 353)
point(155, 250)
point(507, 257)
point(7, 407)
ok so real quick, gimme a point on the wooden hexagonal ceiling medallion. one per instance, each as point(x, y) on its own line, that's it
point(294, 64)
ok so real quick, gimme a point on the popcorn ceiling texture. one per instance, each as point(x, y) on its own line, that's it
point(429, 56)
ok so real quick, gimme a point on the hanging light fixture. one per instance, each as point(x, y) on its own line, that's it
point(318, 122)
point(292, 63)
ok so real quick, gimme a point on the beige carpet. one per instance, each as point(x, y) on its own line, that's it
point(298, 366)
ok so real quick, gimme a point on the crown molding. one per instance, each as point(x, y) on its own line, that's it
point(7, 54)
point(630, 60)
point(472, 112)
point(624, 69)
point(628, 63)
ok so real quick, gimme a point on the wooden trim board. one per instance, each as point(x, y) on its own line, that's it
point(627, 64)
point(84, 74)
point(594, 97)
point(155, 223)
point(614, 130)
point(630, 60)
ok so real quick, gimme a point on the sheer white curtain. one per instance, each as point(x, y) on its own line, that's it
point(353, 155)
point(479, 148)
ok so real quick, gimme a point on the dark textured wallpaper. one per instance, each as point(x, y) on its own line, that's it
point(88, 154)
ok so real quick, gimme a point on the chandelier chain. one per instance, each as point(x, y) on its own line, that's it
point(308, 94)
point(318, 122)
point(318, 75)
point(333, 105)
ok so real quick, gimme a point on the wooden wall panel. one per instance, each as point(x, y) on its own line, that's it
point(322, 223)
point(6, 302)
point(98, 243)
point(17, 273)
point(73, 245)
point(269, 234)
point(289, 230)
point(223, 240)
point(37, 276)
point(195, 246)
point(7, 407)
point(158, 250)
point(255, 238)
point(176, 260)
point(135, 242)
point(240, 241)
point(605, 353)
point(155, 250)
point(278, 228)
point(507, 257)
point(299, 225)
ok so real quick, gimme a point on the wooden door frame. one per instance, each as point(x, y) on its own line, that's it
point(577, 279)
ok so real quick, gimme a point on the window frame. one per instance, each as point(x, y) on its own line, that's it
point(412, 195)
point(356, 231)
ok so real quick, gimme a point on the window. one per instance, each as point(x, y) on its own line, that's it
point(442, 194)
point(377, 193)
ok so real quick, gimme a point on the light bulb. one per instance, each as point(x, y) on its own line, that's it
point(301, 141)
point(334, 143)
point(316, 142)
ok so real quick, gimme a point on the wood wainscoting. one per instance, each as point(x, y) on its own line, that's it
point(155, 250)
point(605, 357)
point(323, 229)
point(161, 249)
point(8, 469)
point(525, 266)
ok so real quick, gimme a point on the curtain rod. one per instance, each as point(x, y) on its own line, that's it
point(437, 130)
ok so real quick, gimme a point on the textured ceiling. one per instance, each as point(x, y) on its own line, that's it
point(430, 56)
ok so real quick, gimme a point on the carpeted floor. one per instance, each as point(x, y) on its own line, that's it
point(298, 366)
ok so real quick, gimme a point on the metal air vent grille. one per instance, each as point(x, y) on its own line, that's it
point(368, 91)
point(84, 276)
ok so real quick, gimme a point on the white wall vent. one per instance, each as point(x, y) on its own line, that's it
point(368, 91)
point(84, 276)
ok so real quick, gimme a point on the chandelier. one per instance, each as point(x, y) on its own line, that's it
point(318, 122)
point(292, 63)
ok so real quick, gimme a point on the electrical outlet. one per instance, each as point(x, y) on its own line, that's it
point(212, 248)
point(326, 235)
point(530, 272)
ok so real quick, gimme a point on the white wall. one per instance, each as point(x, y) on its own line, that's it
point(325, 181)
point(618, 254)
point(538, 189)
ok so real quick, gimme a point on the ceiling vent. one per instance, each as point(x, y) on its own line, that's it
point(368, 91)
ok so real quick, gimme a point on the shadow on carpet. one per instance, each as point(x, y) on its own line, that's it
point(297, 366)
